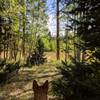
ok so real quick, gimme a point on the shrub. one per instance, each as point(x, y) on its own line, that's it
point(38, 56)
point(79, 82)
point(8, 70)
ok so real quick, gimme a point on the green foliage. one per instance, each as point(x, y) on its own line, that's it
point(8, 70)
point(10, 67)
point(87, 24)
point(79, 82)
point(49, 43)
point(38, 56)
point(2, 63)
point(20, 22)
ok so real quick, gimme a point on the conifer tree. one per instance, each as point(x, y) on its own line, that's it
point(80, 81)
point(38, 56)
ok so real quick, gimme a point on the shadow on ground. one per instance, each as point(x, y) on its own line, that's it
point(19, 87)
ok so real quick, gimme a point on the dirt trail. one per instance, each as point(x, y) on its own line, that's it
point(20, 86)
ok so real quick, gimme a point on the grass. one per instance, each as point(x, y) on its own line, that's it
point(51, 56)
point(19, 87)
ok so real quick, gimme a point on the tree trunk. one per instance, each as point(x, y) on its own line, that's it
point(23, 42)
point(57, 29)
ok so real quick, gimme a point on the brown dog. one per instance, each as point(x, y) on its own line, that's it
point(40, 92)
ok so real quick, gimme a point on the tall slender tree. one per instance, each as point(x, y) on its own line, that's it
point(81, 80)
point(57, 29)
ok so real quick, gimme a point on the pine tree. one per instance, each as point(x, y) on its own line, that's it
point(38, 56)
point(81, 81)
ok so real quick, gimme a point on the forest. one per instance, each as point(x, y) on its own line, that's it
point(49, 49)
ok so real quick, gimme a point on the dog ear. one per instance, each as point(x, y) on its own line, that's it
point(35, 85)
point(45, 85)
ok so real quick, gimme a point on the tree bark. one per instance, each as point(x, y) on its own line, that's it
point(57, 29)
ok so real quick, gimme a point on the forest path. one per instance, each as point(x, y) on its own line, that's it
point(20, 86)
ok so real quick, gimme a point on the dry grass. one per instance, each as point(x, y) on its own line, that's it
point(20, 86)
point(51, 56)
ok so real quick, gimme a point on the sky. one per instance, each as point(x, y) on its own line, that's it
point(51, 11)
